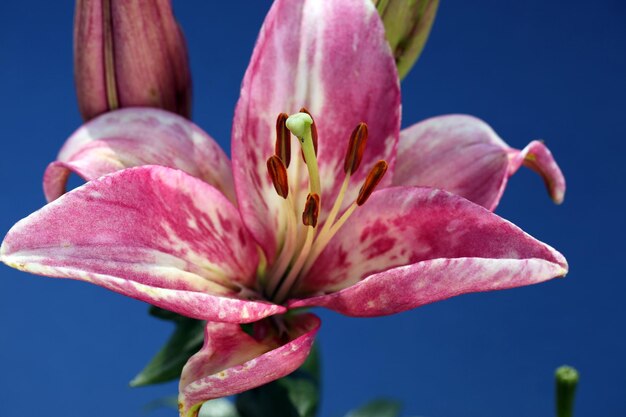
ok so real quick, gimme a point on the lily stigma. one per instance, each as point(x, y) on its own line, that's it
point(167, 218)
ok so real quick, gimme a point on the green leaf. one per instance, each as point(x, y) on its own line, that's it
point(296, 395)
point(377, 408)
point(168, 363)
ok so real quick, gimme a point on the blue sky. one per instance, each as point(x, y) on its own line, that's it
point(534, 70)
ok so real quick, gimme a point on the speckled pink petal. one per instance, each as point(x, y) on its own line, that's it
point(331, 57)
point(151, 233)
point(139, 136)
point(231, 361)
point(463, 155)
point(411, 246)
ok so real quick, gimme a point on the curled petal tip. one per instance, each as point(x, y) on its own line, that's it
point(138, 136)
point(464, 155)
point(538, 157)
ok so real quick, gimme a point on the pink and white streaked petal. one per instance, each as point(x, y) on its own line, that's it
point(331, 57)
point(231, 361)
point(407, 287)
point(463, 154)
point(139, 136)
point(401, 226)
point(151, 233)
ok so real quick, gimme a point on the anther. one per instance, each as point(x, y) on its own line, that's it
point(283, 139)
point(313, 129)
point(356, 147)
point(311, 210)
point(372, 180)
point(278, 174)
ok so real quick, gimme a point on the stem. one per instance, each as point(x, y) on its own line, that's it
point(566, 379)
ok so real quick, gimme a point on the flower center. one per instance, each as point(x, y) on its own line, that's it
point(304, 241)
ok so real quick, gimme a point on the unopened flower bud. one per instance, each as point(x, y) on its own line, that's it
point(407, 26)
point(129, 53)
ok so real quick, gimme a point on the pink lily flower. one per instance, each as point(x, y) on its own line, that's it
point(342, 221)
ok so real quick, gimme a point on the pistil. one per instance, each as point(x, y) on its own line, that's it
point(300, 125)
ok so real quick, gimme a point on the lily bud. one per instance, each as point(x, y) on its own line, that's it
point(129, 53)
point(407, 26)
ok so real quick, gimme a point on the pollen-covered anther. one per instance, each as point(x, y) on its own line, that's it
point(311, 210)
point(356, 148)
point(283, 140)
point(278, 174)
point(373, 178)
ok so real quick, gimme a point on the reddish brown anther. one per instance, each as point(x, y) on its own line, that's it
point(311, 210)
point(313, 129)
point(373, 178)
point(278, 174)
point(356, 147)
point(283, 140)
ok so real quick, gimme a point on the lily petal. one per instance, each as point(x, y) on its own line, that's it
point(231, 361)
point(139, 136)
point(462, 154)
point(331, 57)
point(151, 233)
point(411, 246)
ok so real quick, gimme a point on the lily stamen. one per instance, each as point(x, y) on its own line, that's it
point(278, 174)
point(354, 155)
point(356, 148)
point(287, 251)
point(309, 218)
point(307, 246)
point(374, 177)
point(371, 182)
point(282, 148)
point(311, 210)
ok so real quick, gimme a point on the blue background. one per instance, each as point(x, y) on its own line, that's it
point(554, 70)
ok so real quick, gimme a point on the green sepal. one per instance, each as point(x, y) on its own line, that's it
point(377, 408)
point(296, 395)
point(168, 363)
